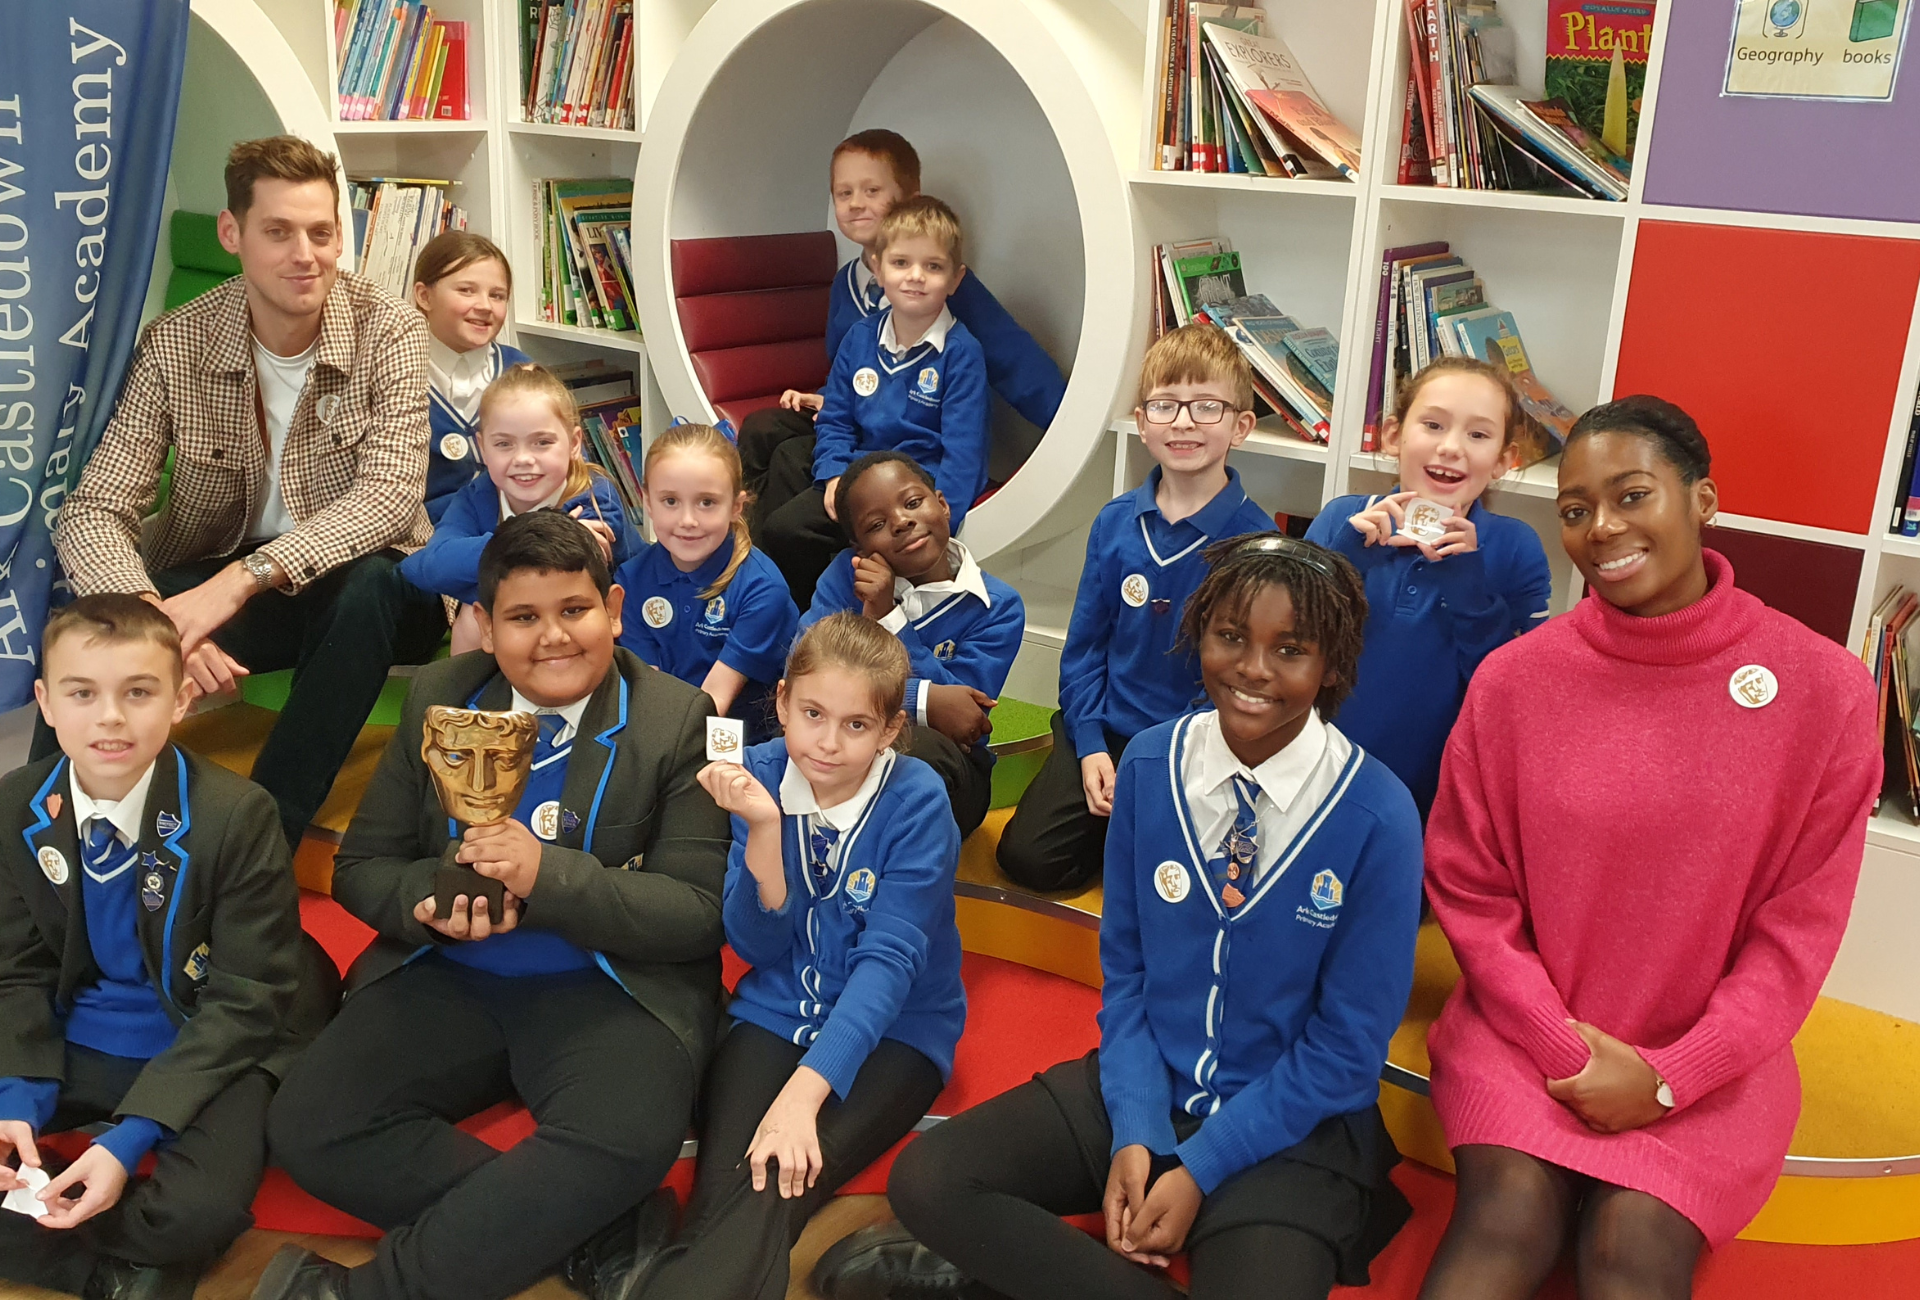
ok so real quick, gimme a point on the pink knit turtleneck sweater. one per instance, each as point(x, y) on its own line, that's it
point(1617, 840)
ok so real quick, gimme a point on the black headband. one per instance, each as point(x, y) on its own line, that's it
point(1289, 548)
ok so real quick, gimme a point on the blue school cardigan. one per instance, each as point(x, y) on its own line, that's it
point(874, 952)
point(1266, 1021)
point(449, 564)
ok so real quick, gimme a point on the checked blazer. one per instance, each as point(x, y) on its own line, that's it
point(353, 471)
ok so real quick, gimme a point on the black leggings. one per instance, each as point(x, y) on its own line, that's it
point(1511, 1217)
point(987, 1188)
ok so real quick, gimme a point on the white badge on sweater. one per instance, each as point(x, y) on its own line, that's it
point(453, 447)
point(657, 612)
point(546, 820)
point(1170, 881)
point(53, 865)
point(1133, 589)
point(866, 381)
point(1752, 686)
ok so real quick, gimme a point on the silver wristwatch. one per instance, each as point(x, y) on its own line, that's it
point(260, 567)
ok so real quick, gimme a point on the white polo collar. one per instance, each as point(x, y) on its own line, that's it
point(125, 814)
point(571, 712)
point(506, 507)
point(914, 602)
point(797, 798)
point(863, 277)
point(936, 333)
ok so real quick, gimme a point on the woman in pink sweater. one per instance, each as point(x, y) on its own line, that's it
point(1649, 825)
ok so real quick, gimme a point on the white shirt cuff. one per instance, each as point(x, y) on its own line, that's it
point(920, 704)
point(894, 621)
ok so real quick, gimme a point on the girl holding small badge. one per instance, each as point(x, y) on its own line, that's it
point(1650, 821)
point(840, 893)
point(1262, 898)
point(462, 285)
point(1448, 581)
point(712, 609)
point(532, 443)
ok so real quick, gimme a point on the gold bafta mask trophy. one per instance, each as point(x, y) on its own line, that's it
point(480, 763)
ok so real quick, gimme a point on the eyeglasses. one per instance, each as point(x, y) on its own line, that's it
point(1203, 410)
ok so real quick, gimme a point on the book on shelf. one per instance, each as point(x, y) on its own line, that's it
point(1884, 652)
point(576, 62)
point(399, 61)
point(605, 424)
point(1433, 304)
point(393, 218)
point(1294, 368)
point(586, 270)
point(1233, 98)
point(1478, 129)
point(1905, 520)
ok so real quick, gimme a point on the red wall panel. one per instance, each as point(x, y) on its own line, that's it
point(1786, 347)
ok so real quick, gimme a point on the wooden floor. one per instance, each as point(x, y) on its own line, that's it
point(233, 1277)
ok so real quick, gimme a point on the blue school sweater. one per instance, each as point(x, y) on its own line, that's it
point(449, 564)
point(961, 641)
point(1018, 368)
point(930, 402)
point(1266, 1021)
point(871, 953)
point(453, 450)
point(1118, 669)
point(1428, 627)
point(748, 627)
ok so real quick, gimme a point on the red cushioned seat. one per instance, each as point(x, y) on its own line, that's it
point(753, 311)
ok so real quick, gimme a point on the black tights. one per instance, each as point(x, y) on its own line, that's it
point(1511, 1216)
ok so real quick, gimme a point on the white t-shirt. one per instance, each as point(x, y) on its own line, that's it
point(281, 379)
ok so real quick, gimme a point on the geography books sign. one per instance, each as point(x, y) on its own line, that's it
point(1816, 49)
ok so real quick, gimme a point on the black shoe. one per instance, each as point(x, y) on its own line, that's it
point(884, 1262)
point(296, 1273)
point(615, 1261)
point(119, 1279)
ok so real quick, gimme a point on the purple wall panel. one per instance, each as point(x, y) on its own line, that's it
point(1819, 158)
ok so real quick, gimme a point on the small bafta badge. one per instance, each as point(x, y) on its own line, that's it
point(480, 763)
point(726, 737)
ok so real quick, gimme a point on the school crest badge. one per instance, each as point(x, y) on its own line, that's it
point(716, 609)
point(1133, 589)
point(944, 650)
point(1170, 881)
point(656, 612)
point(196, 967)
point(866, 381)
point(166, 823)
point(929, 382)
point(860, 886)
point(1327, 892)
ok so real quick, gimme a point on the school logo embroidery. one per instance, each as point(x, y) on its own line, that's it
point(944, 650)
point(1170, 881)
point(1133, 589)
point(1327, 891)
point(453, 447)
point(546, 820)
point(716, 609)
point(866, 381)
point(929, 382)
point(1753, 686)
point(656, 612)
point(196, 967)
point(860, 886)
point(52, 865)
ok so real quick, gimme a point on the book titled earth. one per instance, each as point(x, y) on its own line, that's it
point(1597, 63)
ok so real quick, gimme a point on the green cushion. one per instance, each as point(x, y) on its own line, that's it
point(186, 284)
point(1022, 735)
point(194, 242)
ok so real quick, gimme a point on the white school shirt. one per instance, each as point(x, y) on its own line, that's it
point(124, 813)
point(571, 712)
point(936, 334)
point(1207, 776)
point(916, 602)
point(506, 507)
point(798, 800)
point(460, 377)
point(281, 380)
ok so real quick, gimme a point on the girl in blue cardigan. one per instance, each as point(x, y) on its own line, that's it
point(840, 893)
point(531, 439)
point(1262, 897)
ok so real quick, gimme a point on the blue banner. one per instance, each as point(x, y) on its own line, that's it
point(88, 91)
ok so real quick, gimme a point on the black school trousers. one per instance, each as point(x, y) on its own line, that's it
point(198, 1199)
point(968, 773)
point(365, 1121)
point(736, 1241)
point(1052, 842)
point(340, 634)
point(789, 518)
point(987, 1188)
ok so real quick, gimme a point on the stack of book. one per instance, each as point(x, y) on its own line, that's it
point(576, 62)
point(586, 262)
point(1432, 304)
point(393, 218)
point(1905, 519)
point(610, 415)
point(1294, 367)
point(398, 62)
point(1233, 98)
point(1467, 124)
point(1884, 651)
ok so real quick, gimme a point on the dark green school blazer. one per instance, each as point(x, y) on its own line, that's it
point(224, 948)
point(635, 875)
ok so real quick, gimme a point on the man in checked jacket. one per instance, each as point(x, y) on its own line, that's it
point(293, 400)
